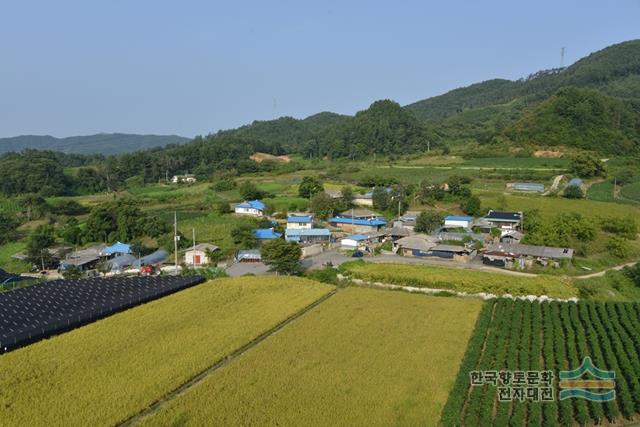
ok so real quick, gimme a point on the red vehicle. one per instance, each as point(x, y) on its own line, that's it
point(147, 270)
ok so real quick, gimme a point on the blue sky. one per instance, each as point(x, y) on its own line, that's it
point(193, 67)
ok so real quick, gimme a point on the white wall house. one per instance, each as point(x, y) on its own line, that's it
point(299, 222)
point(252, 207)
point(458, 221)
point(198, 255)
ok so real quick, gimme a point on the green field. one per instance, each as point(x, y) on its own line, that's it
point(104, 372)
point(363, 357)
point(522, 336)
point(460, 280)
point(631, 191)
point(550, 206)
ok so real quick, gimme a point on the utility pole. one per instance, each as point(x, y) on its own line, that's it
point(193, 230)
point(562, 57)
point(428, 146)
point(615, 183)
point(175, 241)
point(399, 209)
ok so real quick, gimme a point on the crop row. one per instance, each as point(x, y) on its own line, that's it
point(515, 336)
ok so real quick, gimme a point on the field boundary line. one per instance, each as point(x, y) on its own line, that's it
point(198, 378)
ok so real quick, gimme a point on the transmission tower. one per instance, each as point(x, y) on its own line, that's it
point(562, 57)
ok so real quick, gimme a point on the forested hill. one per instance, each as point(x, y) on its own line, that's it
point(614, 70)
point(103, 143)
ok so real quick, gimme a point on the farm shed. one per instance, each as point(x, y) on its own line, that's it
point(199, 255)
point(248, 255)
point(527, 186)
point(354, 241)
point(577, 182)
point(454, 252)
point(84, 259)
point(121, 263)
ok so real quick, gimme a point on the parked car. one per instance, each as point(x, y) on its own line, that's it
point(357, 254)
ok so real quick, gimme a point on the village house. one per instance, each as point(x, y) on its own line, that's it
point(504, 220)
point(518, 255)
point(117, 248)
point(83, 259)
point(199, 254)
point(356, 225)
point(299, 222)
point(263, 234)
point(360, 213)
point(252, 207)
point(408, 220)
point(353, 242)
point(417, 245)
point(453, 252)
point(511, 236)
point(457, 221)
point(307, 235)
point(187, 179)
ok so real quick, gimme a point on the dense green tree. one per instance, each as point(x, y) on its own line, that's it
point(34, 206)
point(121, 220)
point(8, 225)
point(625, 227)
point(587, 166)
point(282, 257)
point(243, 236)
point(471, 206)
point(381, 198)
point(573, 192)
point(249, 191)
point(309, 187)
point(322, 205)
point(618, 247)
point(428, 221)
point(38, 243)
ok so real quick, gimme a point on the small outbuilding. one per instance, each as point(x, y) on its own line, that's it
point(458, 221)
point(199, 254)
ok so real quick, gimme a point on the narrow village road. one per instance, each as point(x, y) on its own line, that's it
point(603, 272)
point(554, 185)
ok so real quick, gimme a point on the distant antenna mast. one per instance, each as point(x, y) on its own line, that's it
point(275, 105)
point(562, 57)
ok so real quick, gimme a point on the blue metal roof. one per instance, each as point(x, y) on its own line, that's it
point(357, 237)
point(299, 218)
point(356, 221)
point(252, 204)
point(307, 232)
point(266, 233)
point(458, 218)
point(117, 248)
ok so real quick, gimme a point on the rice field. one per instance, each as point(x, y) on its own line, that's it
point(103, 373)
point(362, 357)
point(460, 280)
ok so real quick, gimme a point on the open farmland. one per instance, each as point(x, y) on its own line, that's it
point(523, 336)
point(462, 280)
point(363, 357)
point(105, 372)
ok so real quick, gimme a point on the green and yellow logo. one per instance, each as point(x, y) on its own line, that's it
point(597, 385)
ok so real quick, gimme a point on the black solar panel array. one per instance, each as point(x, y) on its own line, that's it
point(36, 312)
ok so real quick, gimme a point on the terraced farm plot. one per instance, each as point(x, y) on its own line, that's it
point(523, 336)
point(362, 357)
point(105, 372)
point(462, 280)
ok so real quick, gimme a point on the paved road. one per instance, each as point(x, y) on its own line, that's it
point(242, 268)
